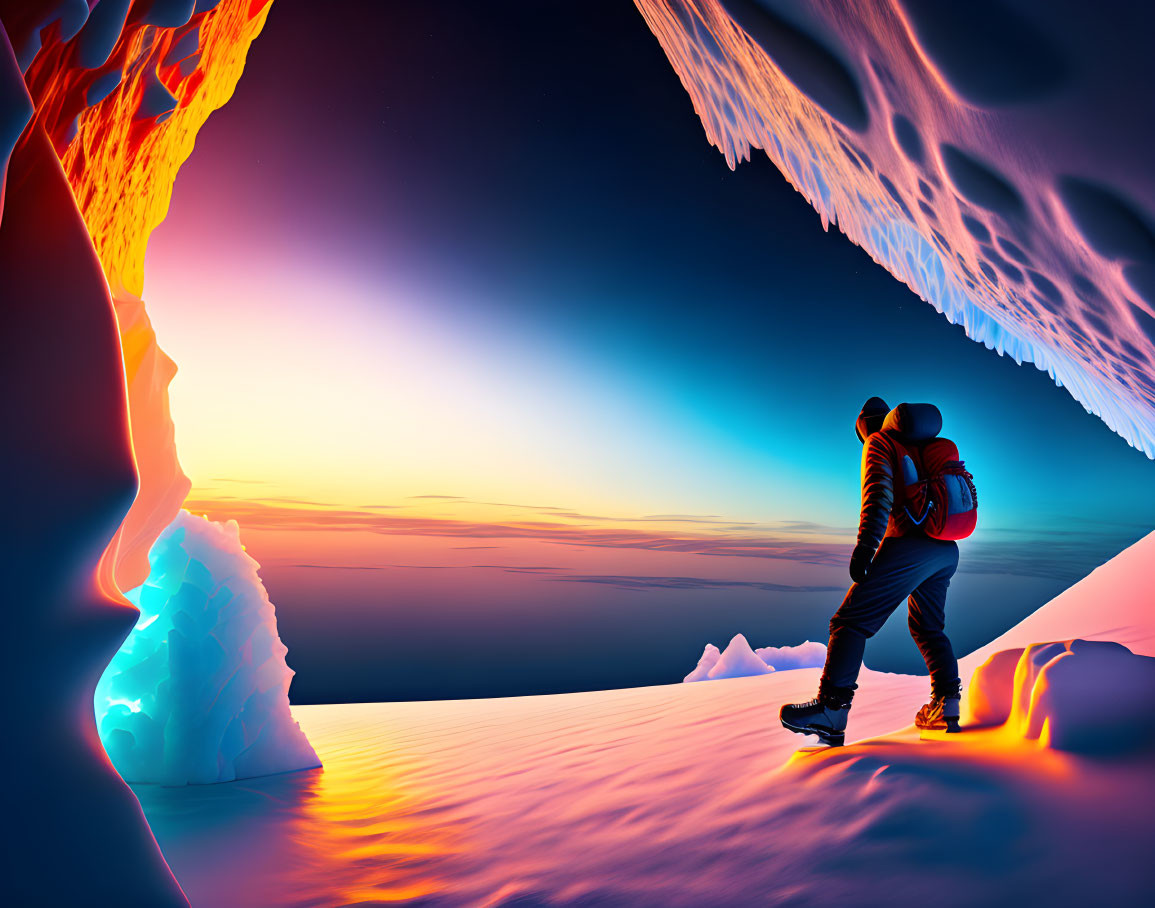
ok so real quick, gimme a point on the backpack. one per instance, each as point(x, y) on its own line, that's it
point(939, 495)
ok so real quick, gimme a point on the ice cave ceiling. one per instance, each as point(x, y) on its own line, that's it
point(982, 152)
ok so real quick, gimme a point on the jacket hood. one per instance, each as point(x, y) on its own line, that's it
point(914, 422)
point(870, 418)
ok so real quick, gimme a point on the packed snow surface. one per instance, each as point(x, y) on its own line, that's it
point(199, 692)
point(692, 794)
point(738, 660)
point(995, 156)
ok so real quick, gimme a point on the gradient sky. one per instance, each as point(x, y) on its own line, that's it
point(486, 255)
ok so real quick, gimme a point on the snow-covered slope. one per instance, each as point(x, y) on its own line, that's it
point(684, 795)
point(994, 156)
point(1116, 601)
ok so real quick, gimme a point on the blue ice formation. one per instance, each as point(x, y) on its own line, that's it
point(994, 156)
point(199, 692)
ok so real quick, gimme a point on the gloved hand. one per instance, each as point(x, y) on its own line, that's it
point(860, 562)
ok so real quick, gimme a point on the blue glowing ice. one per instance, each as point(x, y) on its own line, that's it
point(199, 692)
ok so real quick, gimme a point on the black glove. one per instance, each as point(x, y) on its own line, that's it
point(860, 562)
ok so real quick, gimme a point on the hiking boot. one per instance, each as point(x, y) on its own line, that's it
point(942, 712)
point(824, 716)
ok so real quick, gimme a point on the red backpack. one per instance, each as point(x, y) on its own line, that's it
point(939, 495)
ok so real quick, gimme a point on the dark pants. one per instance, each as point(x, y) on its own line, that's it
point(913, 566)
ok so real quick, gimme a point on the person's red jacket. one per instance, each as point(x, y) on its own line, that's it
point(905, 427)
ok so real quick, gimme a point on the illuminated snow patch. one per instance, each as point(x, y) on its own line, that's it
point(199, 692)
point(1077, 695)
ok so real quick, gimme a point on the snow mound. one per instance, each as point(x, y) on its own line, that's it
point(199, 692)
point(740, 661)
point(784, 658)
point(1081, 696)
point(996, 161)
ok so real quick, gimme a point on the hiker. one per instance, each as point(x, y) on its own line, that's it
point(917, 499)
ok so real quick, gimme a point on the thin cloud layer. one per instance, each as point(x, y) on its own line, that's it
point(273, 514)
point(632, 582)
point(1064, 553)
